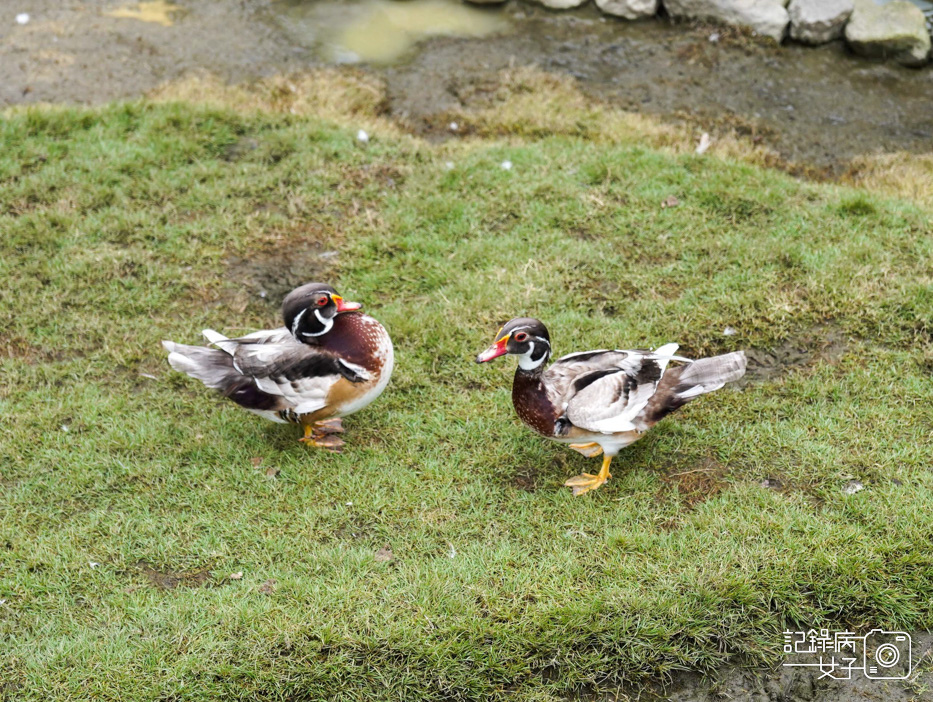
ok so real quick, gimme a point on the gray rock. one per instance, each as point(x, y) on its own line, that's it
point(767, 17)
point(629, 9)
point(561, 4)
point(896, 30)
point(818, 21)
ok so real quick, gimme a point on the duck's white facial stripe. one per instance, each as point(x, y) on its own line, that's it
point(526, 360)
point(298, 321)
point(328, 323)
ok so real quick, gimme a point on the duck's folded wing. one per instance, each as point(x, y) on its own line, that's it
point(567, 370)
point(302, 375)
point(609, 400)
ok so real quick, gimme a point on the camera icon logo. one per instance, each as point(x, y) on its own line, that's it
point(887, 655)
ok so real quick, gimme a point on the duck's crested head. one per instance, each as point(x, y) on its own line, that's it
point(309, 311)
point(524, 337)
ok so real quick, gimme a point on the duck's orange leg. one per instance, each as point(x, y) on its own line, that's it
point(590, 450)
point(585, 482)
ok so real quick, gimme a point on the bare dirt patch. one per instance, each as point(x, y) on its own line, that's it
point(271, 273)
point(819, 343)
point(526, 479)
point(169, 579)
point(700, 483)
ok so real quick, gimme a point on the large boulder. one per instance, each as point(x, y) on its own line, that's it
point(767, 17)
point(818, 21)
point(629, 9)
point(561, 4)
point(896, 30)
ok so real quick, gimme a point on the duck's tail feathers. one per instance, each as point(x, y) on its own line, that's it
point(220, 341)
point(682, 384)
point(668, 352)
point(212, 367)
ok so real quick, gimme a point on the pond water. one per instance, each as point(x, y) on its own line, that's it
point(382, 31)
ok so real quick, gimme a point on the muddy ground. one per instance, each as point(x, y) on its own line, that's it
point(817, 107)
point(795, 684)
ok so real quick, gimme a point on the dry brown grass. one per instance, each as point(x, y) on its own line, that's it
point(900, 174)
point(528, 102)
point(329, 93)
point(525, 103)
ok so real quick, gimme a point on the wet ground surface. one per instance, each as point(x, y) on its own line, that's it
point(818, 107)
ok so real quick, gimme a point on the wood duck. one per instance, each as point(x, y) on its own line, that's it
point(601, 401)
point(328, 361)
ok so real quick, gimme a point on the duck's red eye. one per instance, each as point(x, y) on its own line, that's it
point(322, 300)
point(521, 336)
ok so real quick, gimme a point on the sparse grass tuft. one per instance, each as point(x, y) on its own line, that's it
point(130, 493)
point(905, 175)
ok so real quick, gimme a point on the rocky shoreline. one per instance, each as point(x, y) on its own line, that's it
point(896, 30)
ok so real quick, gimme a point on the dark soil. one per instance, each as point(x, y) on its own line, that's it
point(797, 684)
point(820, 343)
point(271, 275)
point(169, 580)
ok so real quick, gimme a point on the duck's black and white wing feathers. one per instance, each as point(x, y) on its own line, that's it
point(605, 391)
point(300, 374)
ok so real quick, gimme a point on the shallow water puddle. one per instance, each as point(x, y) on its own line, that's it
point(157, 11)
point(382, 31)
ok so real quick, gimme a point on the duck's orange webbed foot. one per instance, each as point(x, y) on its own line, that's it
point(324, 437)
point(334, 425)
point(585, 482)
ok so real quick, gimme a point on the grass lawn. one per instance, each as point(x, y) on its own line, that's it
point(129, 494)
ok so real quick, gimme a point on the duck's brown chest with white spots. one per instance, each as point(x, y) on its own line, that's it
point(531, 402)
point(359, 339)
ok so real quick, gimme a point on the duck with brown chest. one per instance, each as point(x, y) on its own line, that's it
point(328, 361)
point(598, 402)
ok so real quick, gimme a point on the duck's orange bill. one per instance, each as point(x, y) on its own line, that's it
point(497, 349)
point(344, 306)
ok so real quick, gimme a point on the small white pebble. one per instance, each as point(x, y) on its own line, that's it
point(853, 487)
point(449, 165)
point(93, 564)
point(2, 602)
point(729, 331)
point(714, 37)
point(704, 143)
point(22, 18)
point(263, 294)
point(237, 576)
point(454, 126)
point(64, 427)
point(348, 504)
point(362, 136)
point(506, 165)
